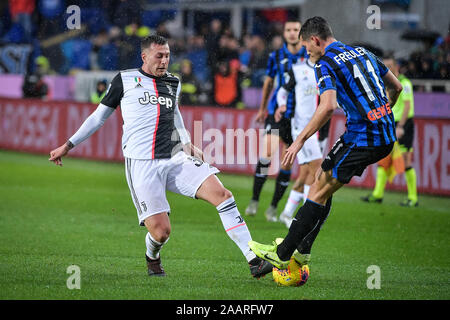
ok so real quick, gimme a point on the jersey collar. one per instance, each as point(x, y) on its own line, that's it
point(333, 45)
point(150, 75)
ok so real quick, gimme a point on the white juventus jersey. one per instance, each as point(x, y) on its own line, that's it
point(302, 79)
point(147, 104)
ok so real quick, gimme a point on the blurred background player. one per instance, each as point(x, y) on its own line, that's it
point(404, 121)
point(302, 81)
point(278, 66)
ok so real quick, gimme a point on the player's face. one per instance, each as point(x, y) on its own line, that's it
point(313, 48)
point(156, 59)
point(291, 31)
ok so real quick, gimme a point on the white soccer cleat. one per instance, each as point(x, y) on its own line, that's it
point(284, 218)
point(252, 208)
point(271, 214)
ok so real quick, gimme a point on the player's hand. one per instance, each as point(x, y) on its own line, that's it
point(58, 153)
point(291, 153)
point(192, 150)
point(279, 113)
point(260, 116)
point(399, 131)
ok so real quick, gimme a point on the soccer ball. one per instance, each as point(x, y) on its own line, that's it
point(294, 275)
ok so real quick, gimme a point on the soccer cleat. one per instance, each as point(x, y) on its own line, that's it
point(252, 208)
point(268, 253)
point(409, 203)
point(301, 259)
point(371, 199)
point(271, 214)
point(284, 218)
point(154, 267)
point(259, 267)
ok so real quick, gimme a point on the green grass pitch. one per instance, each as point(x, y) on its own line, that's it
point(82, 214)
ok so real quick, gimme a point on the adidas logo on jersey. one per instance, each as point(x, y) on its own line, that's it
point(162, 101)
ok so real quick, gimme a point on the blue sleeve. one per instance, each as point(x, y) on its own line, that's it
point(325, 78)
point(271, 70)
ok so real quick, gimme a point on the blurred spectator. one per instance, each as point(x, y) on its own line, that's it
point(226, 85)
point(21, 11)
point(212, 43)
point(127, 12)
point(99, 92)
point(258, 60)
point(190, 86)
point(34, 86)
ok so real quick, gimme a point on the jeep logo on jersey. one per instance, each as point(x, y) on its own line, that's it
point(163, 101)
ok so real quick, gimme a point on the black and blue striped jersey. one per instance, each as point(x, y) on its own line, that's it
point(356, 75)
point(278, 66)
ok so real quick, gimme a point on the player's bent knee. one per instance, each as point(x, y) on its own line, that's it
point(161, 234)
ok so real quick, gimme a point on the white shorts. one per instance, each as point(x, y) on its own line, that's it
point(310, 150)
point(148, 181)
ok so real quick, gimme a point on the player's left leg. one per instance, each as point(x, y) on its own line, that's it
point(344, 161)
point(195, 178)
point(411, 181)
point(213, 191)
point(406, 146)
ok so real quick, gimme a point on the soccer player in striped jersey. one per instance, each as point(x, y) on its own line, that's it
point(159, 155)
point(356, 79)
point(278, 66)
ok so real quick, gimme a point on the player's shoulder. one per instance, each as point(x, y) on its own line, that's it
point(170, 77)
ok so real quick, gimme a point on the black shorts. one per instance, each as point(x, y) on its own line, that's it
point(347, 160)
point(408, 137)
point(281, 129)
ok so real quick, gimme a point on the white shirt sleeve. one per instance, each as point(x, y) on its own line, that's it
point(282, 96)
point(178, 121)
point(91, 124)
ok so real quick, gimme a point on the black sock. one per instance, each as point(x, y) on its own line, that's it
point(261, 171)
point(306, 220)
point(306, 244)
point(281, 185)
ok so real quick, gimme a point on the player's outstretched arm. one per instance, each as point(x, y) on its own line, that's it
point(267, 89)
point(89, 126)
point(393, 87)
point(324, 112)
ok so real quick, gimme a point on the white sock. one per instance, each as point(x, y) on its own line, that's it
point(153, 246)
point(294, 200)
point(235, 226)
point(305, 191)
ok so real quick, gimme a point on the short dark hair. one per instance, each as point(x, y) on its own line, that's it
point(316, 26)
point(156, 39)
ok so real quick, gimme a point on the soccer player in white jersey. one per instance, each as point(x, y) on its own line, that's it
point(302, 81)
point(159, 155)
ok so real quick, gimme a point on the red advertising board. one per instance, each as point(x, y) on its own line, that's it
point(230, 139)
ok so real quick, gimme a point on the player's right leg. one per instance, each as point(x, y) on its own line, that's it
point(148, 193)
point(309, 218)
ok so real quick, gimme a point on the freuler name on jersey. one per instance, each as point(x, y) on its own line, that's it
point(163, 101)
